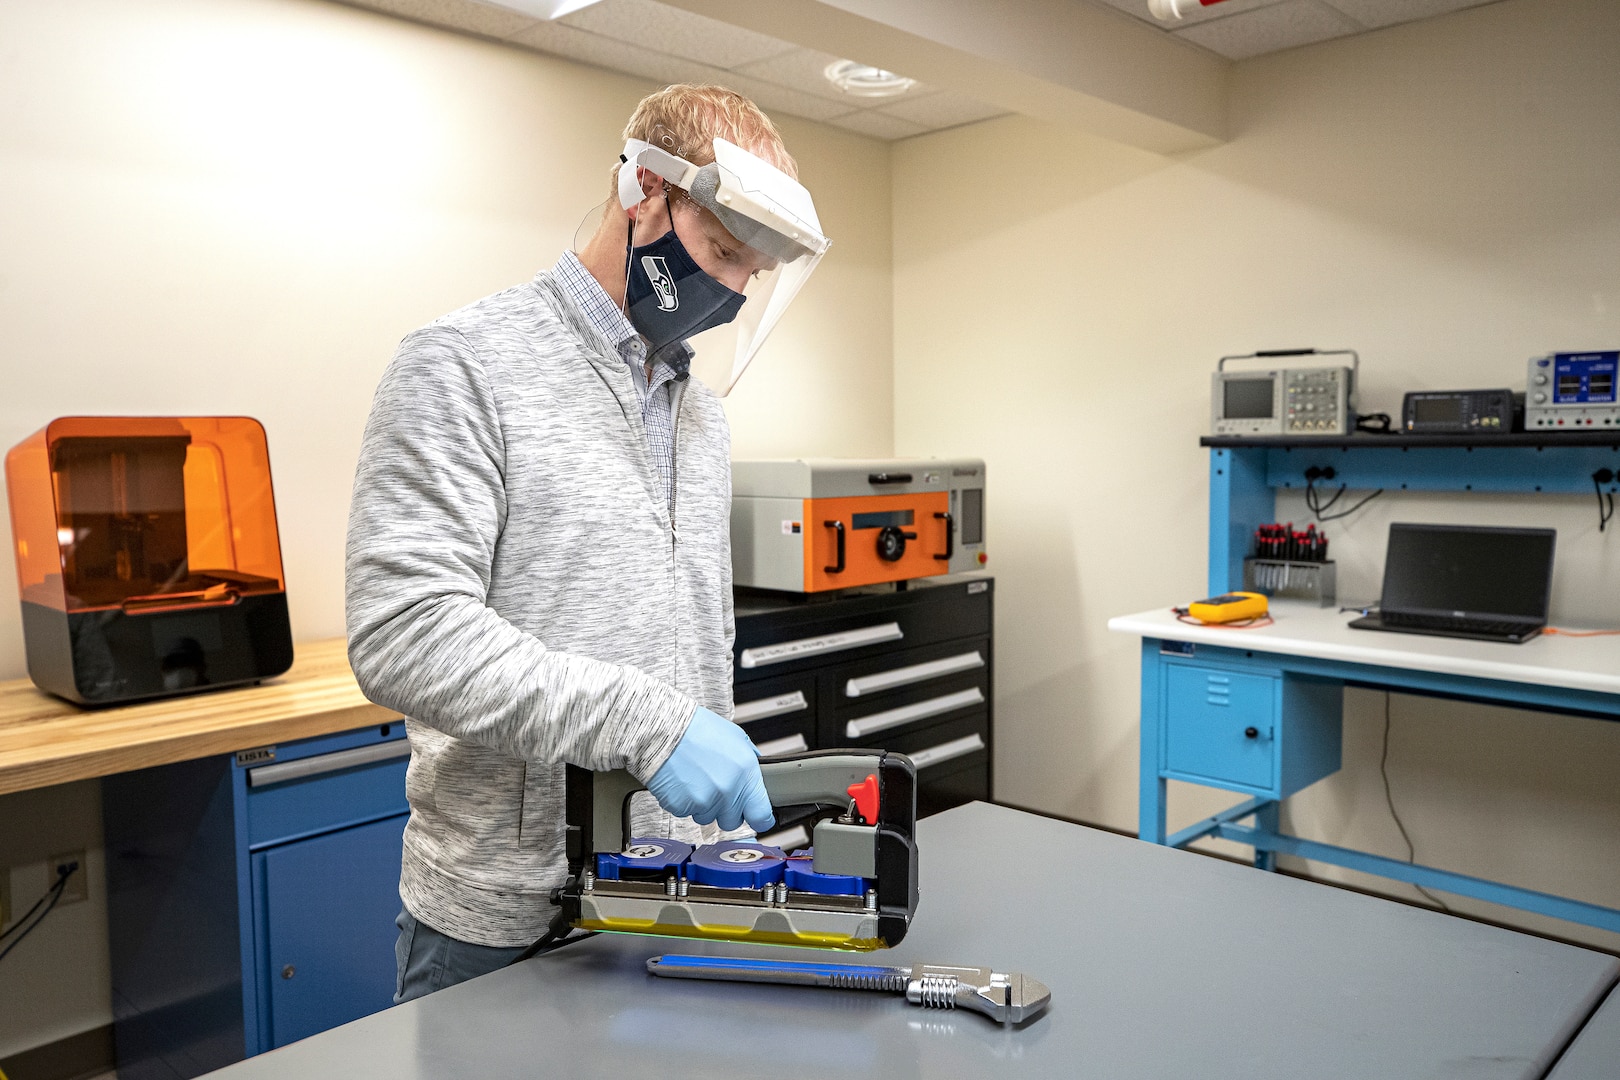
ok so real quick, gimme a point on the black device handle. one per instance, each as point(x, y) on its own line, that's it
point(950, 536)
point(888, 478)
point(1285, 352)
point(838, 528)
point(1251, 733)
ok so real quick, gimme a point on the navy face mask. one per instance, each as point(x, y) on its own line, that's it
point(668, 297)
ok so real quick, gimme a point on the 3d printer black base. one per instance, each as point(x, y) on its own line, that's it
point(112, 657)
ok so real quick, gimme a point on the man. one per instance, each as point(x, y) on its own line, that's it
point(539, 567)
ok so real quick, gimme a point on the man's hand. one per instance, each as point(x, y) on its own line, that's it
point(713, 775)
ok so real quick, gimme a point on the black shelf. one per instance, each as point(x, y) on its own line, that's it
point(1610, 437)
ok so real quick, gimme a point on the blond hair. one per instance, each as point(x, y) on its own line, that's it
point(692, 117)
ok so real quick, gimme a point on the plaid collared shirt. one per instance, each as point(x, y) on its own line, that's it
point(657, 418)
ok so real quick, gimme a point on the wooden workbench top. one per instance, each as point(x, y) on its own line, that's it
point(45, 740)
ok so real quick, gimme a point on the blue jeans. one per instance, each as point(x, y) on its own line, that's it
point(429, 961)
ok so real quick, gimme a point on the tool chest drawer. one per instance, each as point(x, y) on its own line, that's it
point(941, 681)
point(907, 674)
point(777, 636)
point(328, 783)
point(952, 759)
point(923, 686)
point(1258, 731)
point(774, 710)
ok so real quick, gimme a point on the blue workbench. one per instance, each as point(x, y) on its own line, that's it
point(1258, 712)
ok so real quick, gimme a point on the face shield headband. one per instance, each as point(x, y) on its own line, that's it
point(761, 207)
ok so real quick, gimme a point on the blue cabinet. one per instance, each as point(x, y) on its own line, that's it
point(1243, 726)
point(1221, 727)
point(328, 962)
point(251, 898)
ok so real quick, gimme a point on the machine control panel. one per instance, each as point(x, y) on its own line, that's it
point(1458, 412)
point(1572, 390)
point(1316, 400)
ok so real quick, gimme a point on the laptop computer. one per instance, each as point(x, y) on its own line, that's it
point(1465, 581)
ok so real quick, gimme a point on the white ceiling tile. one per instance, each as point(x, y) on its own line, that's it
point(576, 44)
point(805, 70)
point(569, 41)
point(875, 124)
point(1375, 13)
point(468, 16)
point(1270, 29)
point(942, 110)
point(771, 96)
point(680, 33)
point(1198, 14)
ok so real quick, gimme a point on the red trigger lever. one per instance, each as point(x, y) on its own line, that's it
point(865, 795)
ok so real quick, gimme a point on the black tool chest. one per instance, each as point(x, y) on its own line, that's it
point(909, 671)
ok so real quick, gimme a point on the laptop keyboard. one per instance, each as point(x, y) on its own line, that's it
point(1455, 624)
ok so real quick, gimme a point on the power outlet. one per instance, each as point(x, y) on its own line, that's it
point(77, 887)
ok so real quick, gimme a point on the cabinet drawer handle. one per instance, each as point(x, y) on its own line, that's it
point(792, 744)
point(905, 676)
point(905, 714)
point(781, 705)
point(816, 646)
point(1251, 733)
point(321, 764)
point(945, 751)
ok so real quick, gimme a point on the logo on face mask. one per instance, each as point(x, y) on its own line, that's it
point(663, 285)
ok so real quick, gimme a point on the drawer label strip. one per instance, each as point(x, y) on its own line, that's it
point(816, 646)
point(916, 673)
point(905, 714)
point(781, 705)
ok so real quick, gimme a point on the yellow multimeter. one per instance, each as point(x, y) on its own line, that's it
point(1229, 607)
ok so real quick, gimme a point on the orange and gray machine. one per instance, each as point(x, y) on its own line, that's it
point(819, 524)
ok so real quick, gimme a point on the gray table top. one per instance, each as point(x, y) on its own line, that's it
point(1595, 1053)
point(1162, 964)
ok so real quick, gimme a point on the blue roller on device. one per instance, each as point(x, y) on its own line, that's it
point(736, 865)
point(643, 859)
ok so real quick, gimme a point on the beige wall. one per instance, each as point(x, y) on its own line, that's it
point(240, 206)
point(1440, 196)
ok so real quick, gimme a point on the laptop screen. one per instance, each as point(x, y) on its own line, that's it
point(1468, 570)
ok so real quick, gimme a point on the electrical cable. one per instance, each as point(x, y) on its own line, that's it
point(555, 937)
point(1322, 518)
point(1605, 514)
point(1383, 770)
point(29, 914)
point(1377, 423)
point(53, 896)
point(1577, 633)
point(1313, 499)
point(1241, 624)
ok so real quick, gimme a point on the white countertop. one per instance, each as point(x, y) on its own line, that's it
point(1323, 633)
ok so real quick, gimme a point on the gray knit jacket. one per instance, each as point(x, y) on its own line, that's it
point(519, 587)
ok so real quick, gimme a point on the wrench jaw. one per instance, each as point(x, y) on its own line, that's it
point(1007, 999)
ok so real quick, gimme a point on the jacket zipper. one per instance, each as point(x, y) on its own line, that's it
point(674, 465)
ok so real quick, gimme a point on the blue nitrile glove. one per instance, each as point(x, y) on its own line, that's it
point(713, 775)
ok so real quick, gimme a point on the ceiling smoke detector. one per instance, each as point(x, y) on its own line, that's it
point(864, 80)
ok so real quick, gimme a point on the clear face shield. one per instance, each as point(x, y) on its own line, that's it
point(751, 226)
